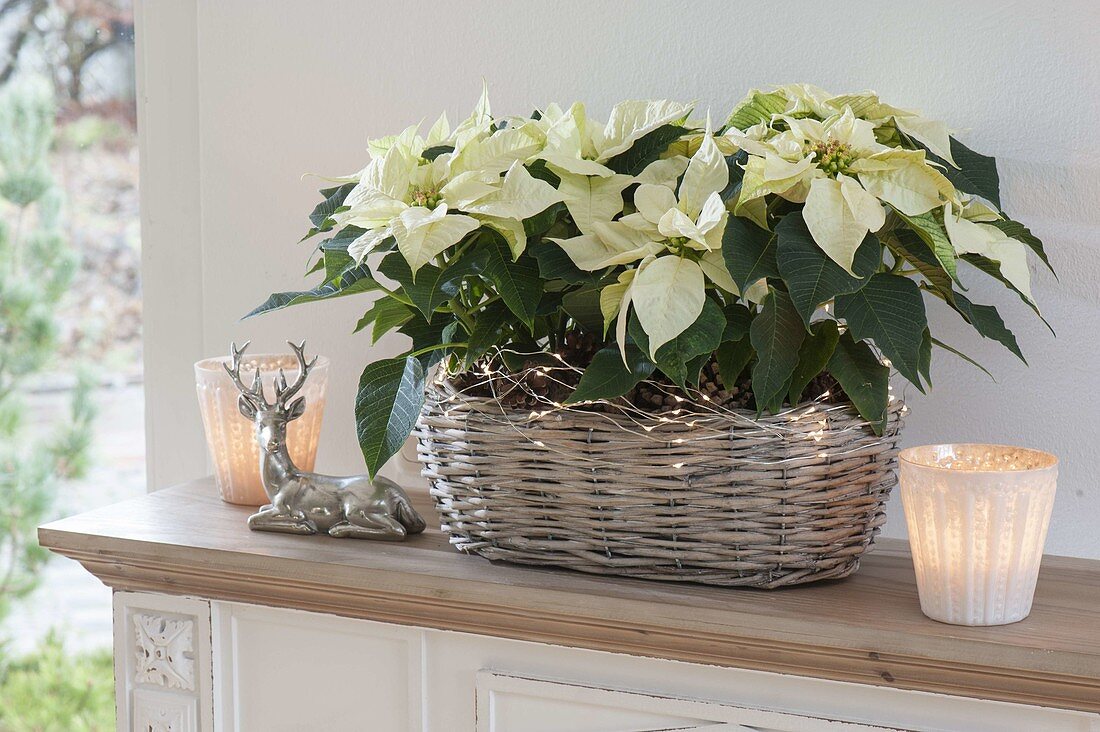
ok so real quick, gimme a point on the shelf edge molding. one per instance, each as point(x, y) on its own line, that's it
point(405, 597)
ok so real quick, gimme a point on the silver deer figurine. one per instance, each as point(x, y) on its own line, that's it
point(307, 503)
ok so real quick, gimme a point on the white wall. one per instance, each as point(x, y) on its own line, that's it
point(239, 98)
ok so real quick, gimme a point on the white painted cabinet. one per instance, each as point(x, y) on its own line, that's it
point(186, 664)
point(284, 671)
point(514, 704)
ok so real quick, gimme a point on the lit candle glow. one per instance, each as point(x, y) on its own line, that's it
point(232, 438)
point(977, 517)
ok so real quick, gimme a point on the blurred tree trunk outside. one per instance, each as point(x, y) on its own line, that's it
point(62, 39)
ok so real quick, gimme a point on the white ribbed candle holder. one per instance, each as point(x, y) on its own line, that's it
point(232, 438)
point(977, 517)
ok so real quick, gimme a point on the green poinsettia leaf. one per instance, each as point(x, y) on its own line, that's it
point(889, 310)
point(352, 281)
point(435, 334)
point(549, 304)
point(864, 379)
point(335, 249)
point(541, 222)
point(987, 321)
point(583, 306)
point(433, 286)
point(645, 150)
point(926, 356)
point(343, 238)
point(489, 325)
point(963, 356)
point(336, 258)
point(738, 320)
point(812, 277)
point(813, 357)
point(1018, 231)
point(607, 377)
point(334, 199)
point(678, 359)
point(675, 358)
point(555, 264)
point(931, 231)
point(433, 152)
point(976, 173)
point(776, 334)
point(735, 164)
point(694, 368)
point(540, 170)
point(518, 282)
point(749, 252)
point(757, 107)
point(908, 245)
point(385, 315)
point(732, 358)
point(993, 269)
point(387, 405)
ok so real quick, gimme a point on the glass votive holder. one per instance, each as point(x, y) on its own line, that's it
point(977, 517)
point(231, 437)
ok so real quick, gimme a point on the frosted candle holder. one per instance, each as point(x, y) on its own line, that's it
point(977, 517)
point(232, 438)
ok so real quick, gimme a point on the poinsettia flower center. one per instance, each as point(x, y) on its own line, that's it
point(678, 245)
point(833, 156)
point(426, 197)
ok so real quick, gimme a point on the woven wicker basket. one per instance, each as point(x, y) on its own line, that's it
point(728, 500)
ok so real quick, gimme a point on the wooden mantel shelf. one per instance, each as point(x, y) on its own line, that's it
point(866, 629)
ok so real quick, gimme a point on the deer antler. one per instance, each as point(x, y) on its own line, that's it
point(255, 393)
point(283, 393)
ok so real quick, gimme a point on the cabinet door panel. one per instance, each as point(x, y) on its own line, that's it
point(459, 693)
point(288, 671)
point(514, 704)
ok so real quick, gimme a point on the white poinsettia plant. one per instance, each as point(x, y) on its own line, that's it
point(797, 239)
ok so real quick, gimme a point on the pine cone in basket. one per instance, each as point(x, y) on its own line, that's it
point(659, 394)
point(579, 348)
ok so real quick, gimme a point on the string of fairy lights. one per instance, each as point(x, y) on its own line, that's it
point(696, 416)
